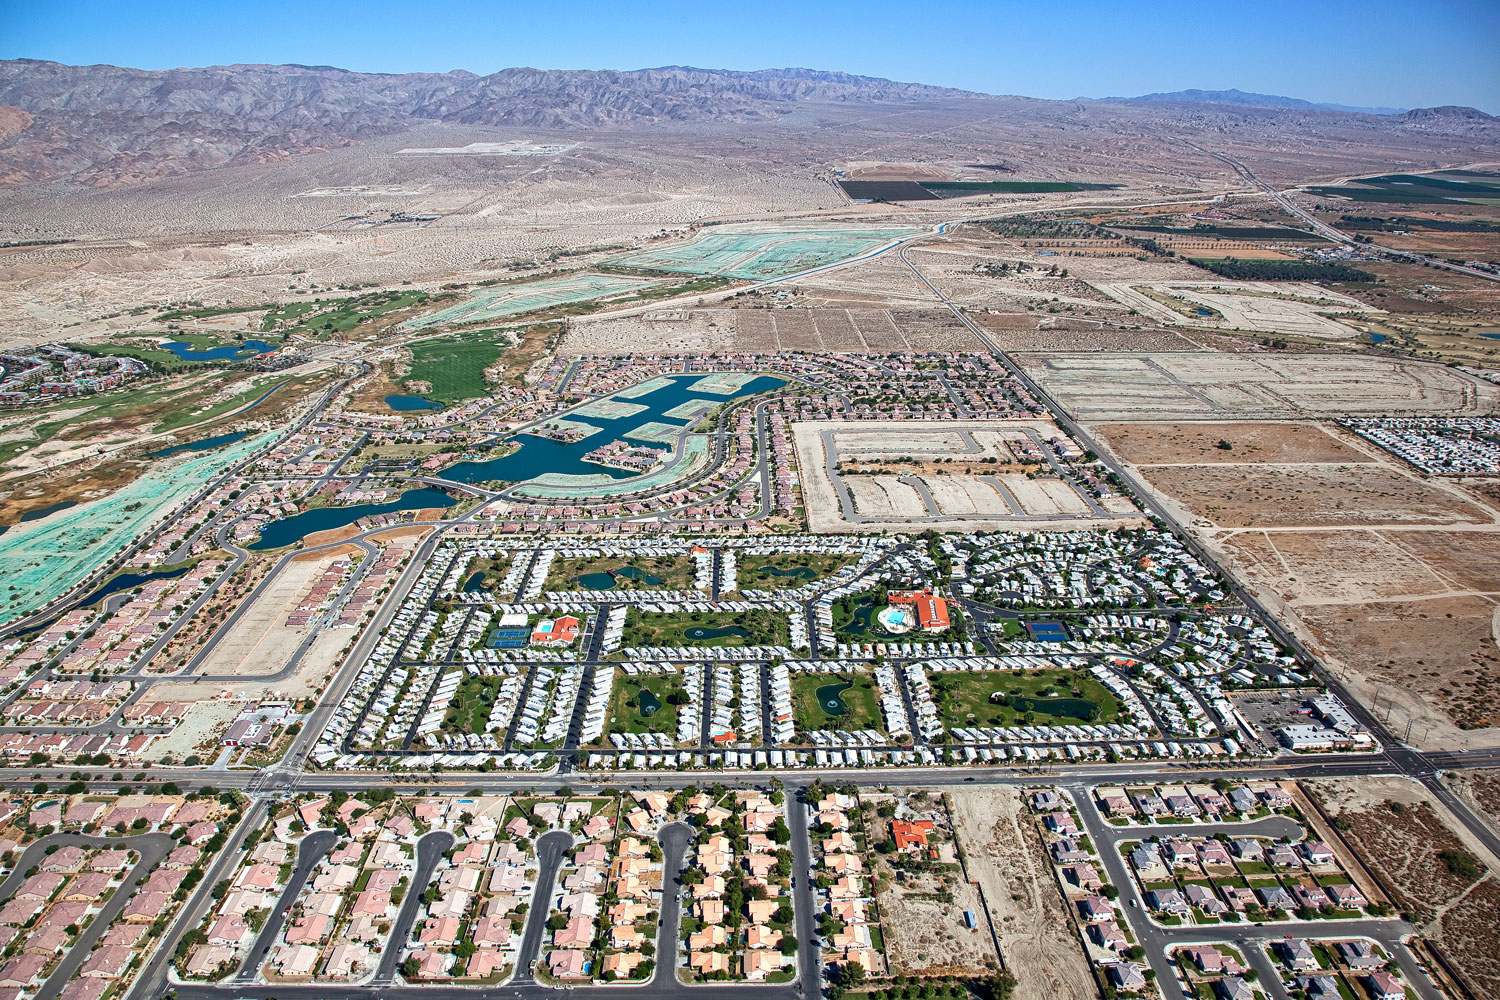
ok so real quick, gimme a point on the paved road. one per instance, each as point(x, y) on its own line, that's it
point(430, 850)
point(550, 849)
point(674, 838)
point(309, 853)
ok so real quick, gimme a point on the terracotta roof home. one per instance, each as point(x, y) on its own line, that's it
point(567, 963)
point(911, 835)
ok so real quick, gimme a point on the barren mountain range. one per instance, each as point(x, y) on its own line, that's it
point(106, 125)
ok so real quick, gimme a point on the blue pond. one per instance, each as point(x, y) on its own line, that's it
point(1376, 338)
point(410, 404)
point(129, 581)
point(1490, 336)
point(229, 352)
point(41, 512)
point(207, 444)
point(275, 534)
point(540, 455)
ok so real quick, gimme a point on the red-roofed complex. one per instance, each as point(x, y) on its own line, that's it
point(932, 610)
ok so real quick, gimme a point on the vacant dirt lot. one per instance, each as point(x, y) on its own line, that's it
point(1320, 567)
point(1279, 441)
point(1391, 578)
point(856, 329)
point(1007, 861)
point(893, 499)
point(926, 936)
point(1312, 495)
point(1416, 656)
point(1209, 385)
point(1401, 834)
point(261, 642)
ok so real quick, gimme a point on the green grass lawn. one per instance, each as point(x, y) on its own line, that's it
point(640, 573)
point(725, 629)
point(286, 314)
point(963, 699)
point(343, 315)
point(494, 570)
point(470, 708)
point(454, 366)
point(626, 714)
point(860, 698)
point(785, 570)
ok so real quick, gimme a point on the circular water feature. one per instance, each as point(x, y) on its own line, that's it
point(831, 698)
point(699, 632)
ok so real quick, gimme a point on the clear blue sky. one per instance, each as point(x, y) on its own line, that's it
point(1361, 52)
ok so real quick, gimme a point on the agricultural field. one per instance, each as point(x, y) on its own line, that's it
point(1403, 189)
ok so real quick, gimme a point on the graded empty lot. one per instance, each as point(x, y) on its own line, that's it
point(1280, 441)
point(1311, 495)
point(1390, 578)
point(913, 485)
point(1418, 850)
point(261, 642)
point(1005, 857)
point(1203, 385)
point(854, 330)
point(1257, 306)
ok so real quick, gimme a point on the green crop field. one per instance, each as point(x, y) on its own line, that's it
point(1416, 188)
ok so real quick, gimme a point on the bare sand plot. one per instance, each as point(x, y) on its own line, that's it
point(1434, 661)
point(261, 642)
point(885, 497)
point(1312, 495)
point(1401, 833)
point(1044, 496)
point(1333, 566)
point(914, 486)
point(1259, 306)
point(1392, 579)
point(1122, 387)
point(1260, 441)
point(1005, 858)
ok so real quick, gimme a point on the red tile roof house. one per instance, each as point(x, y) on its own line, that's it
point(911, 836)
